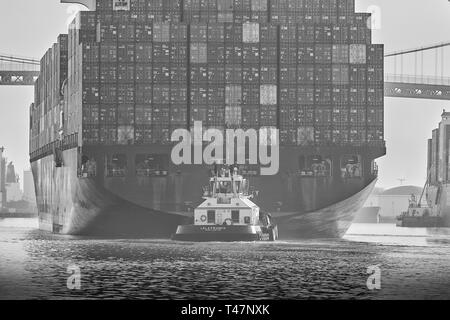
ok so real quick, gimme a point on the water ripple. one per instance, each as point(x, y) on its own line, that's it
point(33, 264)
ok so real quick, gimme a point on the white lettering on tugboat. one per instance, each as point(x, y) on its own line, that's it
point(213, 229)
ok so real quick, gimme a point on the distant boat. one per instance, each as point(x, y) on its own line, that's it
point(434, 211)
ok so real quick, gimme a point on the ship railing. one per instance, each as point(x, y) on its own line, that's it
point(376, 143)
point(430, 80)
point(116, 172)
point(314, 174)
point(350, 175)
point(418, 212)
point(151, 173)
point(68, 142)
point(250, 172)
point(85, 173)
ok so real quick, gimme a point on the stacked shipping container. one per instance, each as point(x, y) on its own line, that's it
point(46, 112)
point(140, 69)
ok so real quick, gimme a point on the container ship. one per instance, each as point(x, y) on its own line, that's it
point(129, 73)
point(432, 209)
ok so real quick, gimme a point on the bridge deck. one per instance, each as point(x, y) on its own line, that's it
point(18, 78)
point(416, 91)
point(418, 87)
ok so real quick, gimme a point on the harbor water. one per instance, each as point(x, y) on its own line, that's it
point(37, 265)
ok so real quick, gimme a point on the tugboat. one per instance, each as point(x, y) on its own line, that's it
point(419, 216)
point(227, 214)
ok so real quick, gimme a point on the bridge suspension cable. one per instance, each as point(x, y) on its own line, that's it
point(18, 71)
point(14, 59)
point(418, 56)
point(399, 53)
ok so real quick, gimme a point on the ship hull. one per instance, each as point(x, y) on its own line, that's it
point(329, 222)
point(132, 206)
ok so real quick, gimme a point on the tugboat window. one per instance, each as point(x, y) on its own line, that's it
point(235, 216)
point(117, 165)
point(148, 165)
point(225, 187)
point(211, 216)
point(351, 166)
point(315, 166)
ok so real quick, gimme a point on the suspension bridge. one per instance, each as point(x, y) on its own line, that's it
point(418, 73)
point(408, 73)
point(18, 71)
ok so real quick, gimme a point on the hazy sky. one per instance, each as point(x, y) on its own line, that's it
point(29, 27)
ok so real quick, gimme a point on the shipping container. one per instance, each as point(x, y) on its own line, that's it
point(340, 135)
point(143, 114)
point(357, 54)
point(305, 136)
point(125, 134)
point(144, 52)
point(108, 94)
point(126, 113)
point(340, 74)
point(268, 95)
point(229, 63)
point(233, 115)
point(357, 115)
point(144, 73)
point(305, 94)
point(375, 54)
point(358, 95)
point(107, 114)
point(305, 74)
point(375, 96)
point(250, 32)
point(144, 93)
point(375, 75)
point(108, 134)
point(375, 116)
point(143, 32)
point(161, 32)
point(251, 115)
point(323, 135)
point(358, 135)
point(143, 134)
point(199, 52)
